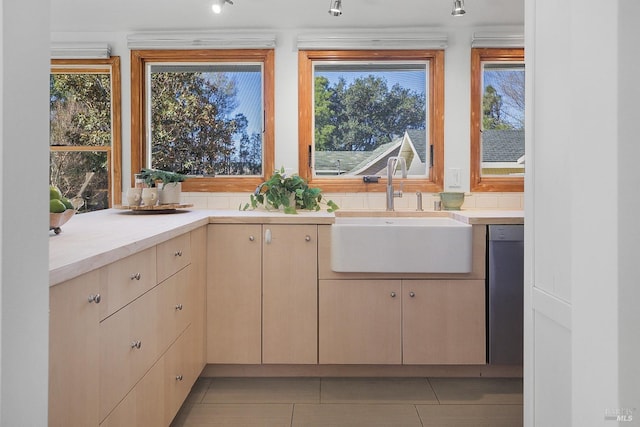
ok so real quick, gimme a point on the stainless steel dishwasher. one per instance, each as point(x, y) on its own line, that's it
point(505, 293)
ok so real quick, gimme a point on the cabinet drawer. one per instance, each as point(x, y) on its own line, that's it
point(127, 279)
point(181, 371)
point(128, 348)
point(143, 405)
point(173, 255)
point(176, 307)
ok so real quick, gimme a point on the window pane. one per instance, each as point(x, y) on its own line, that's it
point(82, 174)
point(206, 120)
point(365, 112)
point(80, 109)
point(503, 119)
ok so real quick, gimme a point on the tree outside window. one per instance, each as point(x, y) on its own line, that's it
point(84, 130)
point(207, 114)
point(497, 120)
point(364, 107)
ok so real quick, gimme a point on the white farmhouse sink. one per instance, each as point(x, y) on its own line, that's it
point(400, 245)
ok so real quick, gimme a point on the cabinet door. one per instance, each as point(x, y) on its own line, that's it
point(290, 289)
point(444, 322)
point(360, 322)
point(234, 287)
point(74, 352)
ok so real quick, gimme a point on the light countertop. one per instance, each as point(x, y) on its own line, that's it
point(93, 240)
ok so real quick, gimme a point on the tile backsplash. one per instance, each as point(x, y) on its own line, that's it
point(365, 201)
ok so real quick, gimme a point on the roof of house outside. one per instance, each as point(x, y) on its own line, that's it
point(369, 162)
point(502, 145)
point(419, 140)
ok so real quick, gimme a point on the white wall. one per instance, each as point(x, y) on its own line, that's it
point(582, 341)
point(24, 218)
point(457, 109)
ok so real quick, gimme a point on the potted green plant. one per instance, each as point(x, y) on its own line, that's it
point(288, 193)
point(171, 189)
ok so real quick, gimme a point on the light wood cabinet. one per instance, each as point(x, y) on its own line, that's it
point(125, 280)
point(443, 322)
point(179, 374)
point(289, 300)
point(74, 351)
point(128, 348)
point(262, 294)
point(234, 294)
point(413, 322)
point(111, 355)
point(360, 322)
point(143, 406)
point(173, 255)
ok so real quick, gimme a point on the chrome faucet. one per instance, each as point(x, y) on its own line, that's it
point(391, 168)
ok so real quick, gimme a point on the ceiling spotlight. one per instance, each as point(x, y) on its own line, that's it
point(335, 7)
point(458, 8)
point(218, 4)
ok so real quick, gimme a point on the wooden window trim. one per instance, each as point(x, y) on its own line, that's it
point(478, 182)
point(434, 183)
point(139, 60)
point(114, 156)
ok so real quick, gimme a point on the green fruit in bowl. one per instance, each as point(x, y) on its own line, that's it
point(54, 193)
point(56, 206)
point(67, 203)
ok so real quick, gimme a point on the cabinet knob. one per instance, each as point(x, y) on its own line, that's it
point(307, 238)
point(251, 238)
point(136, 344)
point(412, 294)
point(393, 294)
point(136, 276)
point(178, 253)
point(178, 306)
point(178, 377)
point(95, 298)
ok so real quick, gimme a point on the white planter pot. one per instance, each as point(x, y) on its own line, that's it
point(170, 193)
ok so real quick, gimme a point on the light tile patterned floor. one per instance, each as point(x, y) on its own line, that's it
point(367, 402)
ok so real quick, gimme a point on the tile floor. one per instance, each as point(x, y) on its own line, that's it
point(367, 402)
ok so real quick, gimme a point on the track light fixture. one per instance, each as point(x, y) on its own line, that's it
point(217, 5)
point(335, 7)
point(458, 8)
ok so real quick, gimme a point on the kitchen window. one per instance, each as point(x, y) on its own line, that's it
point(497, 119)
point(85, 126)
point(207, 114)
point(358, 108)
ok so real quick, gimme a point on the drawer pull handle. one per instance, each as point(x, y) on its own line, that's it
point(136, 276)
point(178, 306)
point(178, 253)
point(95, 298)
point(412, 294)
point(393, 294)
point(178, 377)
point(136, 344)
point(307, 238)
point(251, 238)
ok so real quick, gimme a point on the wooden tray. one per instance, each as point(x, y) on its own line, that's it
point(155, 209)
